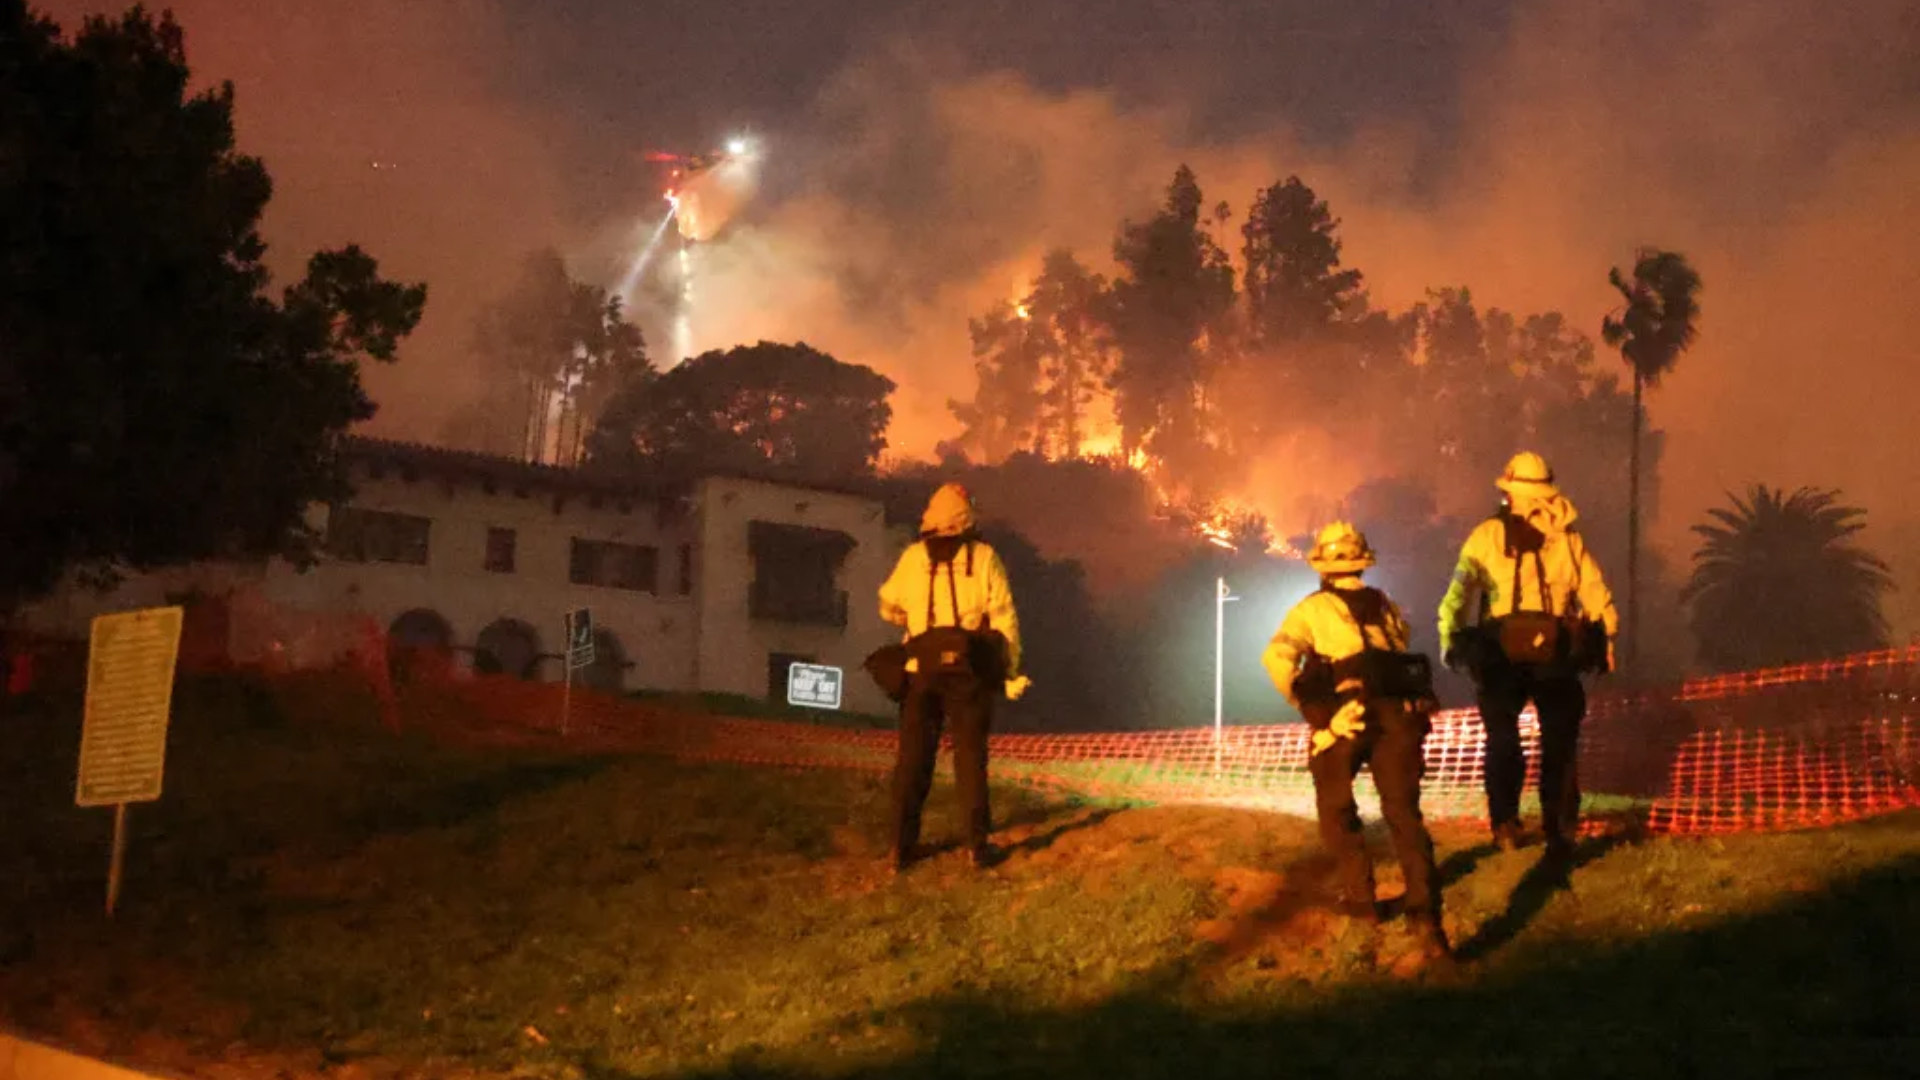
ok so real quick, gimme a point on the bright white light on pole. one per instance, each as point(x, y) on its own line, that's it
point(738, 146)
point(1222, 596)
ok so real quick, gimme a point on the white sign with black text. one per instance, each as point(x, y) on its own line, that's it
point(816, 686)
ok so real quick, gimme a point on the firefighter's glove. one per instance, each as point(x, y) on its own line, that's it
point(1610, 668)
point(1348, 722)
point(1017, 686)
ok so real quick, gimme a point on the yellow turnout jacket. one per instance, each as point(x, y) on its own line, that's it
point(979, 582)
point(1483, 584)
point(1322, 624)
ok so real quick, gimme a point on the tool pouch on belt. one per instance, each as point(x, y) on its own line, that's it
point(951, 650)
point(1531, 637)
point(943, 650)
point(1473, 647)
point(888, 666)
point(1588, 644)
point(1316, 688)
point(954, 650)
point(1382, 673)
point(1407, 676)
point(1539, 638)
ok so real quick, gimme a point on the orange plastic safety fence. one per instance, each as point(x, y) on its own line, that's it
point(1807, 745)
point(1813, 745)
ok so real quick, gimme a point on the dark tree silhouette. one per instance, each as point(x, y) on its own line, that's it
point(1778, 579)
point(1657, 323)
point(1296, 287)
point(557, 351)
point(1170, 304)
point(785, 411)
point(157, 404)
point(1308, 330)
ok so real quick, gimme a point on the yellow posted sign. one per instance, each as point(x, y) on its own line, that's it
point(123, 741)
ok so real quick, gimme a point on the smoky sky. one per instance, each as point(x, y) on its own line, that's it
point(1235, 68)
point(921, 157)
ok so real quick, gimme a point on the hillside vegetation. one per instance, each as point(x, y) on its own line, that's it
point(314, 896)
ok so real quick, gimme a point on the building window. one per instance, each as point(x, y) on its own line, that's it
point(777, 665)
point(359, 535)
point(795, 574)
point(614, 566)
point(686, 569)
point(500, 548)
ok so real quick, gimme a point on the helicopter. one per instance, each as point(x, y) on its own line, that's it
point(684, 168)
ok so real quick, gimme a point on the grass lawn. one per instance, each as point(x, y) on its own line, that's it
point(315, 897)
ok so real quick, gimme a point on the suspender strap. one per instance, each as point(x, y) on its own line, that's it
point(1360, 623)
point(932, 569)
point(1539, 566)
point(953, 594)
point(953, 585)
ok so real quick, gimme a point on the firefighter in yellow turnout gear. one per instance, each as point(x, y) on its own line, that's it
point(1340, 657)
point(949, 592)
point(1528, 611)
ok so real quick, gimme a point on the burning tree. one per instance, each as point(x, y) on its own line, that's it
point(1039, 361)
point(1004, 415)
point(1204, 387)
point(1067, 313)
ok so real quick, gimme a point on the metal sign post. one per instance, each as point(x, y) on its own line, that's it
point(579, 655)
point(1222, 596)
point(131, 657)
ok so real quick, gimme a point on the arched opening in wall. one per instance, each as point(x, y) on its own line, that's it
point(419, 643)
point(507, 647)
point(608, 672)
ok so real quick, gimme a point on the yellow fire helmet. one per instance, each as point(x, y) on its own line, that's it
point(949, 512)
point(1340, 548)
point(1527, 475)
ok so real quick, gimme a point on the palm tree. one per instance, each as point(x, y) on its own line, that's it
point(1656, 325)
point(1777, 579)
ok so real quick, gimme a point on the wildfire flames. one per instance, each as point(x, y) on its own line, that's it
point(1218, 530)
point(1218, 527)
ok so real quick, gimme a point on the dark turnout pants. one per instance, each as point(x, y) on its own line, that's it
point(1561, 701)
point(1393, 745)
point(960, 704)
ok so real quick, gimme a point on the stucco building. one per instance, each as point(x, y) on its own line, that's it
point(715, 584)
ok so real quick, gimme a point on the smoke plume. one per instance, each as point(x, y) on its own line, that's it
point(1777, 145)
